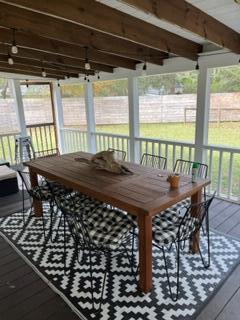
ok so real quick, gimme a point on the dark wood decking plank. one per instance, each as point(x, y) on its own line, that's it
point(230, 223)
point(222, 297)
point(51, 308)
point(35, 299)
point(223, 215)
point(231, 310)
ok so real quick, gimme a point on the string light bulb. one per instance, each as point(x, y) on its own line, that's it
point(10, 60)
point(197, 66)
point(144, 69)
point(98, 76)
point(27, 84)
point(44, 74)
point(58, 83)
point(87, 64)
point(14, 48)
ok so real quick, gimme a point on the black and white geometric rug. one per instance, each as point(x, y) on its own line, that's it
point(121, 299)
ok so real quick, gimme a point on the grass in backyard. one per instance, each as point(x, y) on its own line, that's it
point(225, 133)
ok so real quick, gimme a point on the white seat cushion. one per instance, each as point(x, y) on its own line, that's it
point(7, 173)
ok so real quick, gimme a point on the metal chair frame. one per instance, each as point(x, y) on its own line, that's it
point(83, 243)
point(119, 154)
point(187, 229)
point(153, 161)
point(25, 178)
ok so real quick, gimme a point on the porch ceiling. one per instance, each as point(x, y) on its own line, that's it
point(60, 35)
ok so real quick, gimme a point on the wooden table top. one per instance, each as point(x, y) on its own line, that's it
point(144, 192)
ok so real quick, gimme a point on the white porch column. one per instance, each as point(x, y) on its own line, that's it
point(58, 108)
point(133, 101)
point(91, 139)
point(18, 103)
point(202, 115)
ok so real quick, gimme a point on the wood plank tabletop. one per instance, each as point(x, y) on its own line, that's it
point(146, 191)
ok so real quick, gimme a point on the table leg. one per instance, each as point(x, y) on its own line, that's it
point(194, 245)
point(145, 253)
point(37, 204)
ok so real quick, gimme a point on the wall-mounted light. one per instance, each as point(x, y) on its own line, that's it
point(87, 64)
point(44, 74)
point(10, 60)
point(14, 48)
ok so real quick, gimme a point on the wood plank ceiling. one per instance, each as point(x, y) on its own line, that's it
point(59, 39)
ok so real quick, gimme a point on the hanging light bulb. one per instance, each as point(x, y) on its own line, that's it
point(144, 69)
point(88, 80)
point(87, 64)
point(85, 78)
point(98, 76)
point(44, 74)
point(10, 60)
point(27, 83)
point(58, 83)
point(14, 48)
point(197, 66)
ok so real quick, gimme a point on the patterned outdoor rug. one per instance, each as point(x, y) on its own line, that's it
point(121, 299)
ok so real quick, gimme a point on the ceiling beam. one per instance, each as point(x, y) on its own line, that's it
point(33, 41)
point(189, 17)
point(50, 72)
point(62, 30)
point(51, 58)
point(28, 73)
point(53, 68)
point(100, 17)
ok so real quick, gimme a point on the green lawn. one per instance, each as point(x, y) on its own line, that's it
point(227, 133)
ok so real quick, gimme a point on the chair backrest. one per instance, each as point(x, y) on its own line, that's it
point(153, 161)
point(185, 167)
point(119, 154)
point(25, 178)
point(193, 218)
point(47, 153)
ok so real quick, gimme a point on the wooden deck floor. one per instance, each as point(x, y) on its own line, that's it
point(23, 295)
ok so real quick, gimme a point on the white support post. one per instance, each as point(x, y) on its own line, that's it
point(133, 101)
point(202, 115)
point(90, 115)
point(58, 109)
point(18, 102)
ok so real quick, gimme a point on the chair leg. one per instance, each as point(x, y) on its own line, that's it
point(174, 297)
point(206, 265)
point(98, 310)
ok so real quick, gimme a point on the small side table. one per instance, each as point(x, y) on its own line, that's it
point(4, 163)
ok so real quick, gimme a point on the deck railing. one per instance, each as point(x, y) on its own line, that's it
point(223, 162)
point(43, 136)
point(7, 146)
point(74, 140)
point(109, 140)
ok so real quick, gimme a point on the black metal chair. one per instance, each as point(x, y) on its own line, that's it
point(176, 230)
point(185, 167)
point(153, 161)
point(96, 229)
point(42, 193)
point(119, 154)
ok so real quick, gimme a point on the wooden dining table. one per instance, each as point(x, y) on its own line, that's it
point(144, 194)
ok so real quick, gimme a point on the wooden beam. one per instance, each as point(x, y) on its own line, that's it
point(37, 70)
point(28, 40)
point(51, 67)
point(65, 31)
point(56, 60)
point(27, 73)
point(189, 17)
point(108, 20)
